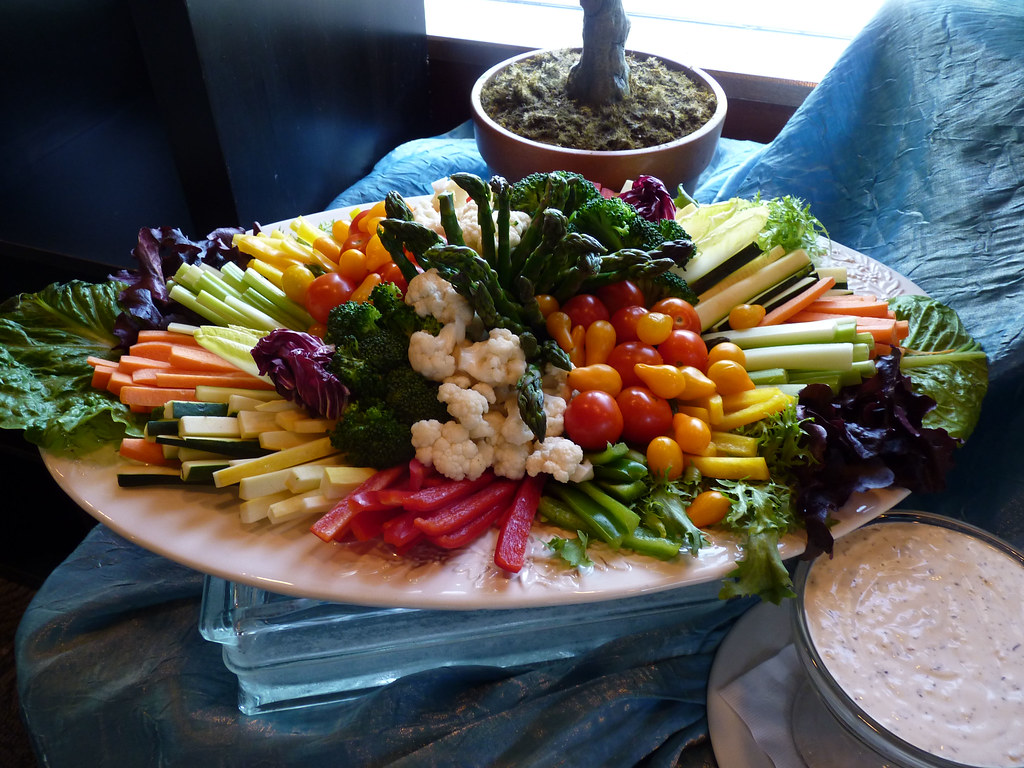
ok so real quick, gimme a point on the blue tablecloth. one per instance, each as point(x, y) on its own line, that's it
point(910, 150)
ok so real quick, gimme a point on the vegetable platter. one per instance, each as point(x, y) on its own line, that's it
point(498, 395)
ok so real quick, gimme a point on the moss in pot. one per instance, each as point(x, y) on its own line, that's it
point(603, 111)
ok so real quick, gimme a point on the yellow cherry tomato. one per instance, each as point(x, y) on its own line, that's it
point(667, 381)
point(654, 327)
point(559, 327)
point(697, 384)
point(665, 458)
point(597, 376)
point(727, 350)
point(376, 254)
point(692, 434)
point(578, 353)
point(708, 508)
point(352, 264)
point(745, 316)
point(339, 230)
point(730, 377)
point(368, 223)
point(365, 288)
point(328, 246)
point(599, 341)
point(547, 304)
point(295, 281)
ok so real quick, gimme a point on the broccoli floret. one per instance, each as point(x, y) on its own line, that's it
point(664, 285)
point(396, 315)
point(413, 397)
point(615, 224)
point(351, 318)
point(564, 190)
point(371, 435)
point(385, 350)
point(358, 375)
point(672, 230)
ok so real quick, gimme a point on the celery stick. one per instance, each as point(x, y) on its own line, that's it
point(188, 276)
point(841, 329)
point(254, 317)
point(768, 376)
point(265, 305)
point(837, 356)
point(258, 282)
point(186, 298)
point(207, 299)
point(862, 352)
point(232, 274)
point(213, 284)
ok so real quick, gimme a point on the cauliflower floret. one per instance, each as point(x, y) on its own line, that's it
point(430, 294)
point(497, 361)
point(555, 381)
point(514, 429)
point(559, 457)
point(468, 407)
point(487, 391)
point(554, 412)
point(434, 356)
point(450, 450)
point(510, 459)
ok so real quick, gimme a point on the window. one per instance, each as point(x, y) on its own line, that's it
point(785, 39)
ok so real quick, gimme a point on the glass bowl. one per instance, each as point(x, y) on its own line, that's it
point(885, 619)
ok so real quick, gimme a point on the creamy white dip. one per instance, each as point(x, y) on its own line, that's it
point(924, 628)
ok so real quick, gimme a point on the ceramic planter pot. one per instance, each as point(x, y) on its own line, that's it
point(676, 162)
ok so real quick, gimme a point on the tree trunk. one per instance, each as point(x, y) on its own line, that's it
point(601, 76)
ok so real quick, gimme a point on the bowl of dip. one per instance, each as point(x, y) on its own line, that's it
point(912, 638)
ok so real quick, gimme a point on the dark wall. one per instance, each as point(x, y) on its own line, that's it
point(121, 114)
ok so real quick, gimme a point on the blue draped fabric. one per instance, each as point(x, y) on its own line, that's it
point(910, 151)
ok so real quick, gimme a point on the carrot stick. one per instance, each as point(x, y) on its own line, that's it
point(199, 359)
point(152, 397)
point(95, 361)
point(169, 336)
point(142, 450)
point(117, 381)
point(101, 376)
point(241, 379)
point(844, 305)
point(155, 350)
point(786, 310)
point(131, 363)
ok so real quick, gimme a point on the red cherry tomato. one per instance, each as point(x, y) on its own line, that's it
point(685, 348)
point(585, 308)
point(624, 322)
point(325, 293)
point(624, 293)
point(627, 354)
point(592, 419)
point(390, 273)
point(645, 416)
point(683, 314)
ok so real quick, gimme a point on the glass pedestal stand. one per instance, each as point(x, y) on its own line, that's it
point(292, 652)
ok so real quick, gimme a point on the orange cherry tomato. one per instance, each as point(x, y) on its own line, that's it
point(730, 377)
point(666, 381)
point(727, 350)
point(744, 316)
point(665, 457)
point(597, 376)
point(692, 434)
point(708, 508)
point(559, 328)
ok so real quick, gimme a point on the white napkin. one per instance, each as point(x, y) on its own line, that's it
point(763, 698)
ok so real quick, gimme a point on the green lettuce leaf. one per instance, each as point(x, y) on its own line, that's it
point(45, 379)
point(944, 362)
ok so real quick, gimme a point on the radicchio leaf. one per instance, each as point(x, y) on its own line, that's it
point(651, 198)
point(158, 254)
point(297, 363)
point(866, 436)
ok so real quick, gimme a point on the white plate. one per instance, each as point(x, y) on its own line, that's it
point(200, 528)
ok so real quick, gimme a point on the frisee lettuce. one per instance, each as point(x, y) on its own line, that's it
point(45, 388)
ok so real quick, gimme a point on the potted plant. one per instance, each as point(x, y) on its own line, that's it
point(601, 110)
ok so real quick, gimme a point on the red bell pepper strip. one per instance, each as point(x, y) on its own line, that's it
point(368, 524)
point(496, 494)
point(514, 534)
point(401, 531)
point(334, 523)
point(434, 497)
point(474, 529)
point(418, 474)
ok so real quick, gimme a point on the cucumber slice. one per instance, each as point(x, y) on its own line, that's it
point(139, 477)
